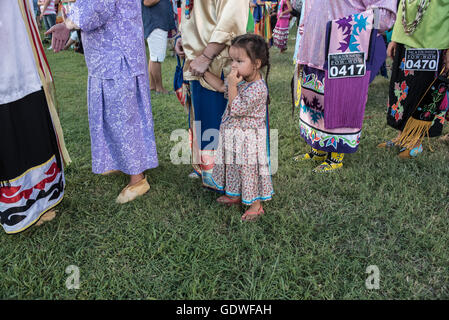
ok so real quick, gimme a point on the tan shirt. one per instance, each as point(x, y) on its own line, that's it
point(212, 21)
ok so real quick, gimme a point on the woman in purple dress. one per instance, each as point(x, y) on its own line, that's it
point(118, 94)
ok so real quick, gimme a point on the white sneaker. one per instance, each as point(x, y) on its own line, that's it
point(194, 175)
point(49, 48)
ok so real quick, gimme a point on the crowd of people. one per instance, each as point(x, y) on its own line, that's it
point(225, 45)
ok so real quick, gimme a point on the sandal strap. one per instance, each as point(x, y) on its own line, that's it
point(253, 213)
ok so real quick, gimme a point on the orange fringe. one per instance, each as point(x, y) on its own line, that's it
point(414, 131)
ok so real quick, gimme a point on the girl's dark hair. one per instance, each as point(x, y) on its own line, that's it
point(256, 48)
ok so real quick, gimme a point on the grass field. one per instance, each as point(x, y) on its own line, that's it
point(318, 236)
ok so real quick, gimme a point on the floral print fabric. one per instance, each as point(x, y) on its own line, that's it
point(112, 33)
point(242, 159)
point(120, 117)
point(121, 125)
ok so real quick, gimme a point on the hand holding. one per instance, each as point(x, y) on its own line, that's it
point(391, 50)
point(179, 49)
point(199, 66)
point(60, 35)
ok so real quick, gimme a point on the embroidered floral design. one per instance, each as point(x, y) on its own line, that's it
point(313, 107)
point(345, 25)
point(310, 81)
point(436, 107)
point(329, 140)
point(406, 72)
point(361, 23)
point(400, 91)
point(351, 30)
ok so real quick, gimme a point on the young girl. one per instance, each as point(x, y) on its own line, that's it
point(280, 33)
point(242, 168)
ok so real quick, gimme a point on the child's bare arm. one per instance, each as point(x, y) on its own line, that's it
point(233, 79)
point(214, 81)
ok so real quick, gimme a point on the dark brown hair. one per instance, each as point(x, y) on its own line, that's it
point(256, 48)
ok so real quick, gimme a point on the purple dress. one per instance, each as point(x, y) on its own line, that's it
point(118, 93)
point(323, 124)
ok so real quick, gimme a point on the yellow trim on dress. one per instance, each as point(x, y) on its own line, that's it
point(37, 219)
point(33, 168)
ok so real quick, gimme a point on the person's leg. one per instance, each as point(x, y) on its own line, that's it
point(157, 44)
point(150, 73)
point(334, 161)
point(314, 154)
point(68, 44)
point(47, 26)
point(50, 22)
point(135, 178)
point(205, 118)
point(72, 40)
point(52, 19)
point(121, 127)
point(29, 154)
point(152, 83)
point(156, 76)
point(254, 212)
point(255, 206)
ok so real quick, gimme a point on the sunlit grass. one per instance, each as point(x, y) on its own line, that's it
point(318, 236)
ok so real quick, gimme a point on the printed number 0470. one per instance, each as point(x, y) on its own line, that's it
point(421, 64)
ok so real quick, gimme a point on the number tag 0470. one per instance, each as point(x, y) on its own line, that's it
point(346, 65)
point(421, 59)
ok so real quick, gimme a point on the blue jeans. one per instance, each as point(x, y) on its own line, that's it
point(49, 21)
point(35, 7)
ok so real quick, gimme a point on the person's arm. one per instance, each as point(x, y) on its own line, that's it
point(213, 49)
point(233, 80)
point(150, 3)
point(214, 81)
point(289, 8)
point(391, 50)
point(46, 4)
point(232, 17)
point(232, 92)
point(178, 47)
point(244, 104)
point(89, 15)
point(231, 21)
point(201, 63)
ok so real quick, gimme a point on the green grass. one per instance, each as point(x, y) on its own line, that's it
point(318, 236)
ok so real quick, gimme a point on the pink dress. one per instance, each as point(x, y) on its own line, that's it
point(242, 165)
point(280, 33)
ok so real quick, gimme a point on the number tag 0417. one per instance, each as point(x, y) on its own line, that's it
point(421, 60)
point(346, 65)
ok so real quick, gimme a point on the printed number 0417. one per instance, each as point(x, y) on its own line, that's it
point(343, 71)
